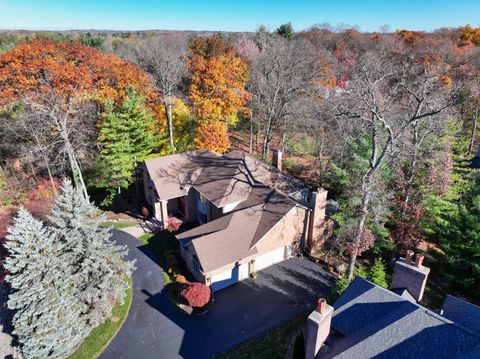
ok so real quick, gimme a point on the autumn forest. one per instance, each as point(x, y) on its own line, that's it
point(386, 121)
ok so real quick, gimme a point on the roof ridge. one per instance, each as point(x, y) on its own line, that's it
point(421, 307)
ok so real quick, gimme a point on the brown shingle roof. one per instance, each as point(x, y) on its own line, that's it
point(222, 179)
point(234, 236)
point(258, 189)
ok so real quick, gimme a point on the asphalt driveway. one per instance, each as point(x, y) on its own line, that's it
point(156, 329)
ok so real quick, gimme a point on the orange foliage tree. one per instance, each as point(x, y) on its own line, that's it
point(67, 69)
point(470, 34)
point(217, 89)
point(213, 136)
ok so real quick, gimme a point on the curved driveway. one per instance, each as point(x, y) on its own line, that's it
point(156, 329)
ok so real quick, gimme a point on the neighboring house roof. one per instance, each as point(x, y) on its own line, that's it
point(222, 179)
point(233, 237)
point(462, 312)
point(373, 322)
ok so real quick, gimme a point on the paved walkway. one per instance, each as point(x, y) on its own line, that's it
point(156, 329)
point(135, 231)
point(6, 348)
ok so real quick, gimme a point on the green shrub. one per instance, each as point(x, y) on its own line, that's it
point(340, 285)
point(376, 273)
point(360, 272)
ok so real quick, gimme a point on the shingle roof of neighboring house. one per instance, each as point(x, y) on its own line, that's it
point(222, 179)
point(373, 322)
point(234, 236)
point(462, 312)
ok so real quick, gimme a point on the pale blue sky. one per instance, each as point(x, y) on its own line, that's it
point(238, 15)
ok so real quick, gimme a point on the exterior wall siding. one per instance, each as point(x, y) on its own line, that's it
point(289, 231)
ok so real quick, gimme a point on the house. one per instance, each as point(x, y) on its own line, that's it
point(368, 321)
point(245, 214)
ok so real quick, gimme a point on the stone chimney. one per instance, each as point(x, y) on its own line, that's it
point(411, 275)
point(277, 159)
point(316, 220)
point(318, 328)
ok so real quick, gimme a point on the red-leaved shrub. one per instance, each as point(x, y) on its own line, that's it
point(173, 224)
point(6, 217)
point(41, 199)
point(195, 294)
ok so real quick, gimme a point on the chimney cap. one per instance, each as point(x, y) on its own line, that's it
point(408, 256)
point(419, 260)
point(322, 305)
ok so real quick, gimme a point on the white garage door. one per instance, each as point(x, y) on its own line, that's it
point(269, 258)
point(229, 277)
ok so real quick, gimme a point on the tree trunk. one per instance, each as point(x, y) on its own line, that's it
point(410, 174)
point(265, 149)
point(119, 200)
point(168, 112)
point(50, 176)
point(76, 170)
point(250, 140)
point(474, 131)
point(360, 225)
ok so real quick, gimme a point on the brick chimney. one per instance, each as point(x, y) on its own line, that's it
point(277, 159)
point(318, 328)
point(411, 275)
point(318, 205)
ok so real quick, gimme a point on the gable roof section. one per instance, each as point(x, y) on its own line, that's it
point(225, 180)
point(374, 322)
point(462, 312)
point(172, 175)
point(222, 179)
point(233, 237)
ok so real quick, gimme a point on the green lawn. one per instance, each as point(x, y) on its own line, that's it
point(100, 336)
point(270, 345)
point(159, 244)
point(118, 225)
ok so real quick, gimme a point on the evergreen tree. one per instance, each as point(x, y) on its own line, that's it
point(96, 263)
point(48, 313)
point(116, 150)
point(140, 125)
point(285, 30)
point(376, 273)
point(127, 136)
point(459, 233)
point(340, 285)
point(65, 277)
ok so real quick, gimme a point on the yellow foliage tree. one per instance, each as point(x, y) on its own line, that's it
point(217, 90)
point(213, 136)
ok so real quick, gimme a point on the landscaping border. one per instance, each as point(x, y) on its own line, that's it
point(80, 352)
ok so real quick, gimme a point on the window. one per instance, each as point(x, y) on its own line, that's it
point(202, 204)
point(201, 198)
point(202, 217)
point(196, 266)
